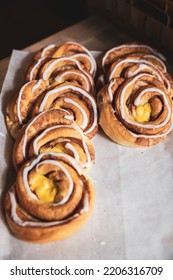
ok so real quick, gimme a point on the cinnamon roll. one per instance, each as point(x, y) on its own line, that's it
point(52, 199)
point(53, 68)
point(19, 107)
point(69, 49)
point(38, 124)
point(56, 134)
point(134, 64)
point(122, 50)
point(135, 112)
point(76, 100)
point(77, 77)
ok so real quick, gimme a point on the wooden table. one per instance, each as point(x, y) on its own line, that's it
point(95, 33)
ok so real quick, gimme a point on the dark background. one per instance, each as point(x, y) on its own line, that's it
point(23, 23)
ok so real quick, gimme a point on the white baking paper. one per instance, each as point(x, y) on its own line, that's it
point(133, 214)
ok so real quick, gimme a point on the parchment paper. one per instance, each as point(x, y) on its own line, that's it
point(133, 215)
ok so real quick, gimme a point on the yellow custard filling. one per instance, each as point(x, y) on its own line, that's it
point(44, 188)
point(57, 81)
point(53, 149)
point(143, 112)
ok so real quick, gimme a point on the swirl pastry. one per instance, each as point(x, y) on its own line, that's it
point(136, 111)
point(51, 67)
point(19, 107)
point(69, 49)
point(38, 124)
point(76, 100)
point(52, 199)
point(122, 50)
point(54, 131)
point(77, 77)
point(134, 64)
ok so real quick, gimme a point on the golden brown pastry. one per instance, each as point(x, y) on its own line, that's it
point(74, 99)
point(19, 107)
point(52, 67)
point(133, 64)
point(38, 124)
point(135, 112)
point(52, 199)
point(77, 77)
point(69, 49)
point(129, 48)
point(51, 118)
point(55, 131)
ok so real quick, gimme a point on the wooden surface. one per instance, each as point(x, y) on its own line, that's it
point(95, 33)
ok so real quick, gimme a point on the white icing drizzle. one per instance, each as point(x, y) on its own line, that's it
point(74, 88)
point(28, 126)
point(37, 85)
point(110, 89)
point(158, 59)
point(137, 101)
point(69, 117)
point(86, 204)
point(19, 100)
point(85, 118)
point(65, 171)
point(46, 49)
point(36, 163)
point(88, 52)
point(153, 136)
point(75, 73)
point(18, 220)
point(88, 161)
point(74, 151)
point(141, 61)
point(142, 67)
point(92, 65)
point(34, 67)
point(131, 46)
point(51, 65)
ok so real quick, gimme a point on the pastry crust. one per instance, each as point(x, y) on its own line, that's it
point(38, 124)
point(52, 117)
point(134, 64)
point(74, 99)
point(20, 106)
point(77, 77)
point(53, 131)
point(116, 101)
point(129, 48)
point(29, 228)
point(70, 49)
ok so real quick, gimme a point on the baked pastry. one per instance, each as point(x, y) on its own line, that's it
point(52, 199)
point(76, 100)
point(133, 64)
point(133, 47)
point(69, 49)
point(53, 130)
point(38, 124)
point(18, 111)
point(51, 118)
point(77, 77)
point(20, 105)
point(48, 69)
point(135, 112)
